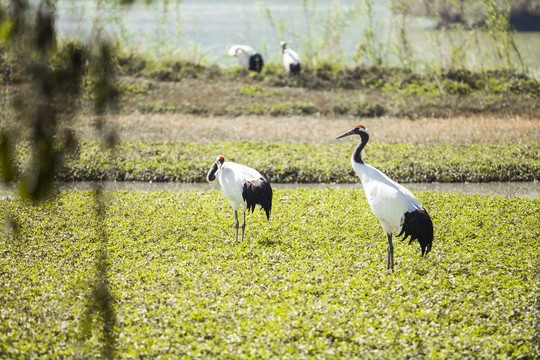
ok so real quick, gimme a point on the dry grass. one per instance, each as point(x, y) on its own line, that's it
point(140, 120)
point(312, 129)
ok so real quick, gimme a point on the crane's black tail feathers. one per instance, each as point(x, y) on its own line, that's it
point(258, 192)
point(256, 63)
point(295, 68)
point(418, 225)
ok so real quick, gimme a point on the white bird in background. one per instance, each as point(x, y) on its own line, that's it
point(291, 60)
point(243, 186)
point(248, 58)
point(395, 206)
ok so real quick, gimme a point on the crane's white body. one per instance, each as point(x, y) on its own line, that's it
point(231, 178)
point(394, 205)
point(290, 57)
point(242, 53)
point(243, 186)
point(388, 200)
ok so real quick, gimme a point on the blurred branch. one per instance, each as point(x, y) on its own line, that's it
point(55, 80)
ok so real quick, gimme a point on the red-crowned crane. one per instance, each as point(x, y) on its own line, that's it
point(393, 204)
point(243, 186)
point(248, 58)
point(291, 60)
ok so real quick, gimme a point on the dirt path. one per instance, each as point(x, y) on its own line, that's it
point(178, 127)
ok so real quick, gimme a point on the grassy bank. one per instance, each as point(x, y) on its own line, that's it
point(327, 90)
point(290, 163)
point(309, 283)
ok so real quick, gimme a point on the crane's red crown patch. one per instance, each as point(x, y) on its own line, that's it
point(360, 126)
point(220, 157)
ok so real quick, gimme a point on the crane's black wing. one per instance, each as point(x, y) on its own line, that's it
point(418, 225)
point(259, 192)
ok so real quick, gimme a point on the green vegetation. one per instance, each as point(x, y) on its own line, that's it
point(498, 94)
point(328, 76)
point(290, 163)
point(309, 283)
point(276, 109)
point(335, 91)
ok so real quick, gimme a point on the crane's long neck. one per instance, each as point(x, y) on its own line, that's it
point(357, 154)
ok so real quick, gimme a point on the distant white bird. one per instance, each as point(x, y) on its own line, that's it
point(395, 206)
point(291, 60)
point(248, 58)
point(243, 186)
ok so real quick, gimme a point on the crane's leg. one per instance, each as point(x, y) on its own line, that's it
point(244, 225)
point(390, 249)
point(236, 224)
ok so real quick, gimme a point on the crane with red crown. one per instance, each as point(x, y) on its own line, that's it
point(393, 204)
point(243, 186)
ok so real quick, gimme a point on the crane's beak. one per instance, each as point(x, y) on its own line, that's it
point(352, 132)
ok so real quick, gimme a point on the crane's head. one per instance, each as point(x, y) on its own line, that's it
point(357, 130)
point(220, 160)
point(239, 51)
point(211, 176)
point(283, 46)
point(236, 50)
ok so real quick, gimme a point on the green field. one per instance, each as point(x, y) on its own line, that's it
point(304, 163)
point(154, 275)
point(311, 283)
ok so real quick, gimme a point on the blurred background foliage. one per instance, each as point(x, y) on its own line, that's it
point(458, 28)
point(56, 75)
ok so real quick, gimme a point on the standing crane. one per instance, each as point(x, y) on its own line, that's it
point(393, 204)
point(291, 60)
point(248, 58)
point(243, 186)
